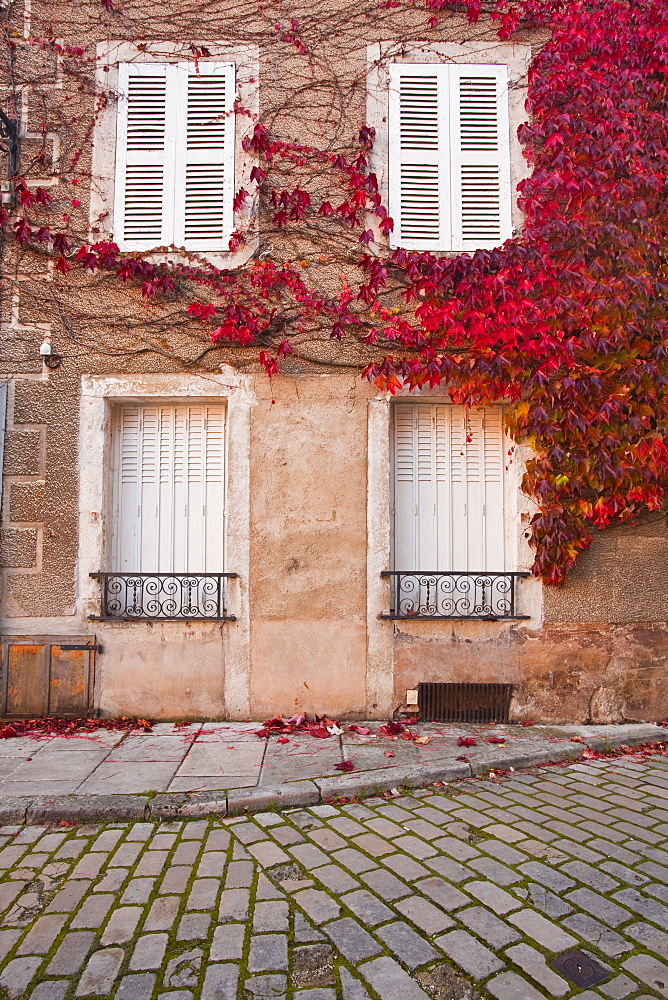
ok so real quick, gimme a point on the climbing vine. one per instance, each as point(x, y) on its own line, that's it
point(566, 322)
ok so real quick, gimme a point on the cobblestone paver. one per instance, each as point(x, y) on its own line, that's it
point(450, 893)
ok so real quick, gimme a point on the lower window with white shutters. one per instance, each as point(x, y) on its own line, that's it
point(168, 515)
point(449, 545)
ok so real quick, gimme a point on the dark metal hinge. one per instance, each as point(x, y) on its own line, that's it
point(94, 646)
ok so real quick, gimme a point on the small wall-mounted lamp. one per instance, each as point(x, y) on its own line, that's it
point(50, 359)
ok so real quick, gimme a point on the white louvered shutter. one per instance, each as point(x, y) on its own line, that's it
point(418, 168)
point(175, 156)
point(448, 489)
point(144, 202)
point(403, 501)
point(449, 166)
point(127, 505)
point(169, 515)
point(205, 157)
point(479, 157)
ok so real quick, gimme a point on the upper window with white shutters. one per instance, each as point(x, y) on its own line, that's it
point(174, 181)
point(449, 175)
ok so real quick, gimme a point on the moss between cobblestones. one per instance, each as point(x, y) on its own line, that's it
point(565, 777)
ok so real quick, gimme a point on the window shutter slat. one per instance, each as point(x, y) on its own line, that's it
point(443, 433)
point(473, 524)
point(480, 163)
point(205, 157)
point(144, 148)
point(127, 498)
point(149, 500)
point(419, 197)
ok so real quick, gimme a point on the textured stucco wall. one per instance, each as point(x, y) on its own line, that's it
point(561, 673)
point(622, 578)
point(308, 545)
point(39, 536)
point(169, 670)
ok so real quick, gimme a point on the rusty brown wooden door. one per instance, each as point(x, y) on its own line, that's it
point(47, 675)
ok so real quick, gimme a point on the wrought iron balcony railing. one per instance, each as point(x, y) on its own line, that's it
point(163, 596)
point(459, 596)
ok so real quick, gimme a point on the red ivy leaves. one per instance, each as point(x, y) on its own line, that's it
point(28, 198)
point(201, 311)
point(67, 728)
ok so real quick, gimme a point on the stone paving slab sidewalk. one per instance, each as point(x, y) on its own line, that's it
point(218, 768)
point(465, 892)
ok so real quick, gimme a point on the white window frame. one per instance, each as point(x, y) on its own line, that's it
point(388, 641)
point(381, 56)
point(111, 56)
point(100, 395)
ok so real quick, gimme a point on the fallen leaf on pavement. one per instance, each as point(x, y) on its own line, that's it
point(392, 728)
point(344, 765)
point(71, 728)
point(467, 741)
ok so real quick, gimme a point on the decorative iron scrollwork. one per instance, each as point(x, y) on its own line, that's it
point(461, 596)
point(163, 596)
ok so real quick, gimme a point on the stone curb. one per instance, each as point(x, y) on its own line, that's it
point(305, 792)
point(84, 808)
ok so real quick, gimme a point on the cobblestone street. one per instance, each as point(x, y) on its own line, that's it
point(458, 892)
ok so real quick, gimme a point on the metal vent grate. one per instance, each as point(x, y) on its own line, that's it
point(464, 702)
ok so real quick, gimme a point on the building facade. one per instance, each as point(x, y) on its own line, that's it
point(183, 537)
